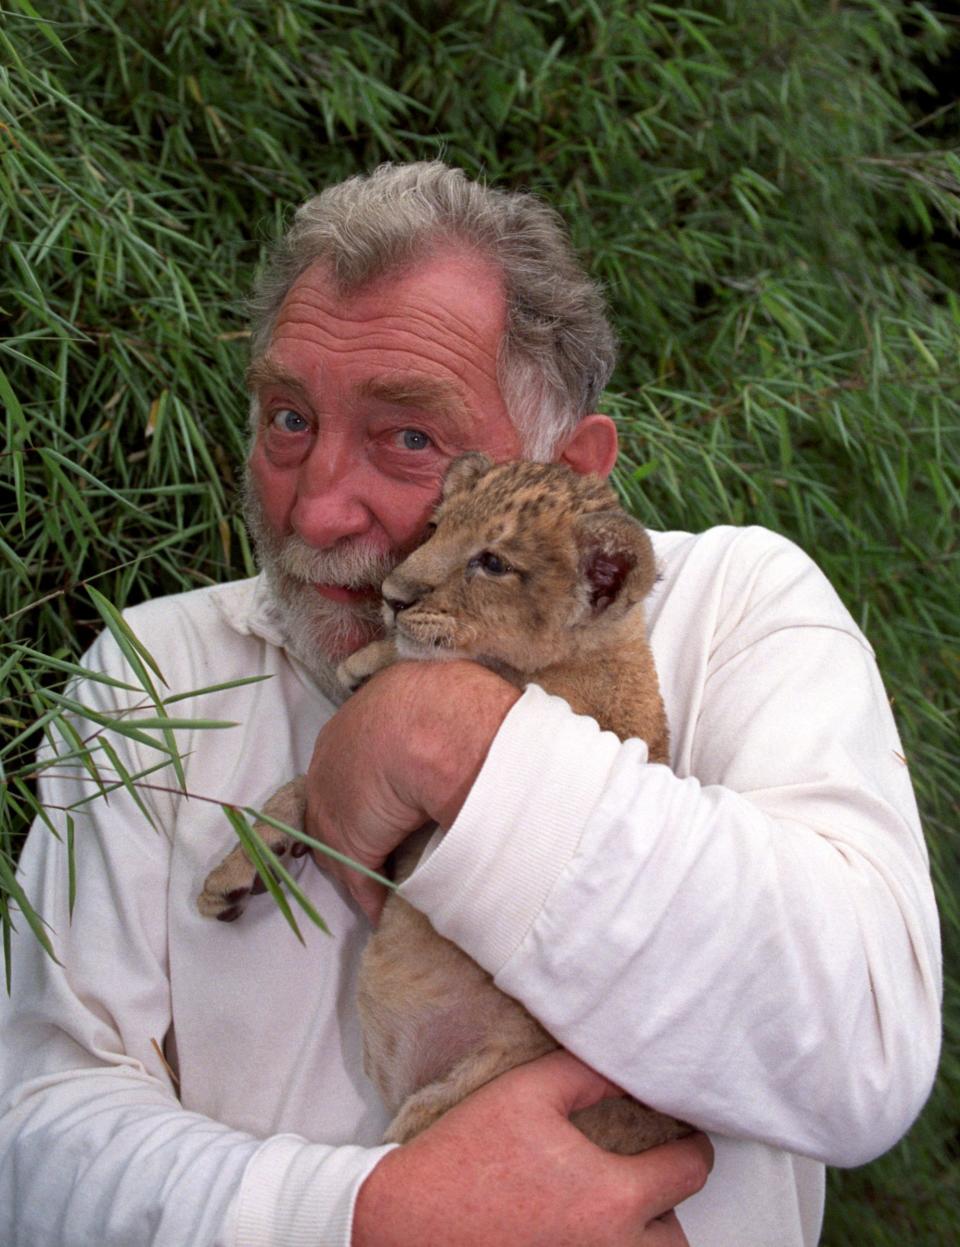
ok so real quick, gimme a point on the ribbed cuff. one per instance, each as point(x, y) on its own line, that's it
point(488, 878)
point(300, 1194)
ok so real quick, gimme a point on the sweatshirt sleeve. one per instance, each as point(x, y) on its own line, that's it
point(751, 946)
point(95, 1146)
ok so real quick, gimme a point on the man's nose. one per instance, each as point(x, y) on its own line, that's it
point(331, 500)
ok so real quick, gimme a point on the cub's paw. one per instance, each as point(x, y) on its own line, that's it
point(227, 887)
point(627, 1127)
point(359, 667)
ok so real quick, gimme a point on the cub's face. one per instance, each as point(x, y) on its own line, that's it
point(528, 564)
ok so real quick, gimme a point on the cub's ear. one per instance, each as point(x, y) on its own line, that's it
point(464, 470)
point(617, 566)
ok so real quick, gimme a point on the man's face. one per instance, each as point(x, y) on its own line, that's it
point(363, 403)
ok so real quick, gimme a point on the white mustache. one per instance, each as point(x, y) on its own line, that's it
point(351, 565)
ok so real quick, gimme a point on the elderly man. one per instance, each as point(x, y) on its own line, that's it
point(746, 940)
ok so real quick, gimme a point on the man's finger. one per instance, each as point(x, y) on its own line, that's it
point(371, 897)
point(566, 1083)
point(366, 893)
point(666, 1231)
point(672, 1172)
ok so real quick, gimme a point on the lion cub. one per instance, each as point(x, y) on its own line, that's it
point(536, 572)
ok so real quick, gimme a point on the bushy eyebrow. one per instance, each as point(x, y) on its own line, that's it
point(264, 371)
point(406, 390)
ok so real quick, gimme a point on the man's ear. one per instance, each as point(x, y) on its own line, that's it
point(591, 447)
point(617, 565)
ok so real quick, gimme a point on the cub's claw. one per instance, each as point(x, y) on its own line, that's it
point(228, 887)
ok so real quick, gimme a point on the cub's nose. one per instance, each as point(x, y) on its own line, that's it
point(398, 593)
point(398, 604)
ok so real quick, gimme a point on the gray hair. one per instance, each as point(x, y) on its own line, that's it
point(558, 348)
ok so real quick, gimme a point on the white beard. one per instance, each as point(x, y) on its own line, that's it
point(318, 633)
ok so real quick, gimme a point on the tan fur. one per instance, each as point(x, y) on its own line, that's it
point(565, 612)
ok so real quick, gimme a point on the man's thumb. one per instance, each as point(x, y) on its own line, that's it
point(567, 1082)
point(369, 895)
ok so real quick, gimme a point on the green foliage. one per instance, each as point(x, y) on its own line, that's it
point(769, 192)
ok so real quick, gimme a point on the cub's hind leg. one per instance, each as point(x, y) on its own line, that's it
point(626, 1126)
point(435, 1026)
point(619, 1124)
point(477, 1068)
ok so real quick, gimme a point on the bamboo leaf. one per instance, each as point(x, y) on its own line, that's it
point(73, 669)
point(71, 867)
point(216, 688)
point(297, 833)
point(132, 649)
point(44, 27)
point(15, 892)
point(120, 726)
point(127, 780)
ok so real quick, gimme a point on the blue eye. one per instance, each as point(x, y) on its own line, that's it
point(413, 439)
point(288, 421)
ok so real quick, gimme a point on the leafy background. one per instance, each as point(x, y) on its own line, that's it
point(768, 191)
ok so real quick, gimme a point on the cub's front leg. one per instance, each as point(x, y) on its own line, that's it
point(359, 667)
point(228, 886)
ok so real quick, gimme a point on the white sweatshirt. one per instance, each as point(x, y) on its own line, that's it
point(747, 940)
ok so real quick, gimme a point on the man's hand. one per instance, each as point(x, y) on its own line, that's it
point(507, 1167)
point(403, 751)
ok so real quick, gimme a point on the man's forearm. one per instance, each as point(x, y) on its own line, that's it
point(797, 977)
point(506, 1166)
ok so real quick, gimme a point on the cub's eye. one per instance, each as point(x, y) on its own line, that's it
point(414, 439)
point(289, 421)
point(491, 563)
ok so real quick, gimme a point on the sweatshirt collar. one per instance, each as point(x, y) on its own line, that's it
point(248, 607)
